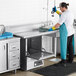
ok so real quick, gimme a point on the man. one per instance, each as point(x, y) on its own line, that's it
point(67, 31)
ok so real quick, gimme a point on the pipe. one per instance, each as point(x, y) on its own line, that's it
point(52, 10)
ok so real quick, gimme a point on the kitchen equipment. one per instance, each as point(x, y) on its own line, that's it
point(2, 29)
point(45, 28)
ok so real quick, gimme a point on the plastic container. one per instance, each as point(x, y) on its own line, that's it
point(6, 35)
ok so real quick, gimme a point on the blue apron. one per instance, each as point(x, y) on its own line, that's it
point(63, 41)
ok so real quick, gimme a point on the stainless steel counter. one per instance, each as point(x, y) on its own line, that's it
point(34, 33)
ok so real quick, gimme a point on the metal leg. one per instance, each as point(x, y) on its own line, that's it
point(55, 46)
point(26, 47)
point(26, 50)
point(15, 71)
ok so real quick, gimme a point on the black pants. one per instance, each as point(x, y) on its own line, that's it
point(70, 48)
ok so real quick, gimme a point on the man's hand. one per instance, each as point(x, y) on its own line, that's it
point(57, 25)
point(50, 29)
point(54, 9)
point(54, 27)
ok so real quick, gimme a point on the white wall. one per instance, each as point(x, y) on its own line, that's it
point(16, 12)
point(19, 12)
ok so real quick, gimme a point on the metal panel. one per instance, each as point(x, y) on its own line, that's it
point(47, 44)
point(3, 57)
point(34, 45)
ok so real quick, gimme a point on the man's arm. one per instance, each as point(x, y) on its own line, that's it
point(62, 20)
point(57, 25)
point(54, 27)
point(58, 12)
point(55, 10)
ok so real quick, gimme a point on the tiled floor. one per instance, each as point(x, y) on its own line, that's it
point(28, 73)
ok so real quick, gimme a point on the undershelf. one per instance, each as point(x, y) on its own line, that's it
point(41, 55)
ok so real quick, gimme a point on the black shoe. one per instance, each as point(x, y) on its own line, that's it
point(69, 61)
point(61, 63)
